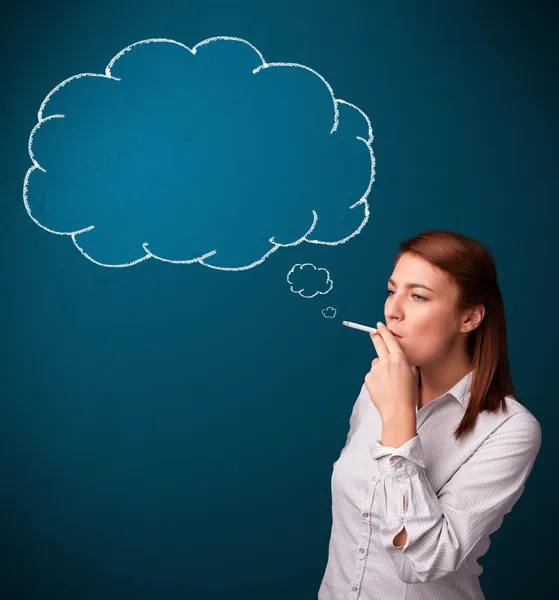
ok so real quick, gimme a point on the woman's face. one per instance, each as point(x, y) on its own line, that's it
point(427, 319)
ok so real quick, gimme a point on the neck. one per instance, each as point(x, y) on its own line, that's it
point(439, 376)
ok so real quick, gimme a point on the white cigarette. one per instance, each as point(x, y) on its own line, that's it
point(357, 326)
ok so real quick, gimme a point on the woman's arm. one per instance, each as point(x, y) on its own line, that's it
point(442, 530)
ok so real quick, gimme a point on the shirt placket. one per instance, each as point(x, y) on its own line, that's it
point(364, 540)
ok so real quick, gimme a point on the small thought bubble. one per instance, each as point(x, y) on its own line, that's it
point(308, 280)
point(329, 312)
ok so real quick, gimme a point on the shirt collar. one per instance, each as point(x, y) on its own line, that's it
point(461, 390)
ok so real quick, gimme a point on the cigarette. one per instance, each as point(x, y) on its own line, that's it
point(357, 326)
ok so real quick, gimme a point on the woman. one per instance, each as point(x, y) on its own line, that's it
point(439, 447)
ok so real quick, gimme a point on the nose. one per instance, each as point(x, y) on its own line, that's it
point(392, 311)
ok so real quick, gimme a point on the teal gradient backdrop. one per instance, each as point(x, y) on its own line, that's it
point(168, 431)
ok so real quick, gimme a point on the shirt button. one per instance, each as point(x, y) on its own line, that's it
point(400, 519)
point(399, 465)
point(354, 588)
point(365, 514)
point(375, 477)
point(361, 549)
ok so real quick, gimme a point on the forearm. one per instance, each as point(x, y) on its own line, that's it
point(399, 428)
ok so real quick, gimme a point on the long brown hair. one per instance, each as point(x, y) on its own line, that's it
point(472, 267)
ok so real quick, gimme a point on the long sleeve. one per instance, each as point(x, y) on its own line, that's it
point(443, 529)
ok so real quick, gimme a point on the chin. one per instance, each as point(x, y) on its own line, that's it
point(413, 359)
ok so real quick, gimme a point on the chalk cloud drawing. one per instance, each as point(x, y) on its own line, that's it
point(329, 312)
point(308, 281)
point(103, 146)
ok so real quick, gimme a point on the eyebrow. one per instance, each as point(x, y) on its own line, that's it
point(412, 285)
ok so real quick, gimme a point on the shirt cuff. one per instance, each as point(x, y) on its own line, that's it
point(399, 462)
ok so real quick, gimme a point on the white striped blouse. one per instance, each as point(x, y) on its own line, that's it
point(456, 495)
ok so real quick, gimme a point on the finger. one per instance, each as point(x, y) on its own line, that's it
point(389, 340)
point(380, 346)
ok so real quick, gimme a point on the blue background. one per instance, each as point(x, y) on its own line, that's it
point(168, 431)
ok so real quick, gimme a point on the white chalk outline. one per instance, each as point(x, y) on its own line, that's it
point(200, 259)
point(328, 280)
point(335, 312)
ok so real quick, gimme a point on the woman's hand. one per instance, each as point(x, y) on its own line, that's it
point(392, 381)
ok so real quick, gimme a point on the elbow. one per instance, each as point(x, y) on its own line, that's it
point(420, 577)
point(409, 576)
point(413, 576)
point(408, 573)
point(423, 565)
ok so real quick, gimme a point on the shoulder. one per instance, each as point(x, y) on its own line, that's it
point(521, 418)
point(514, 430)
point(515, 415)
point(518, 423)
point(364, 401)
point(366, 405)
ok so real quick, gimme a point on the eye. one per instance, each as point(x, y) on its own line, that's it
point(416, 295)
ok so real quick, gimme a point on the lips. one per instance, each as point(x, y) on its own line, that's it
point(394, 334)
